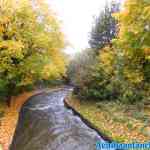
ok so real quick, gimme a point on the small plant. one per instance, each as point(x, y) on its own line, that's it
point(140, 116)
point(120, 139)
point(119, 119)
point(130, 126)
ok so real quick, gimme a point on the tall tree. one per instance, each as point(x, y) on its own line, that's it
point(133, 48)
point(134, 39)
point(105, 27)
point(30, 44)
point(79, 67)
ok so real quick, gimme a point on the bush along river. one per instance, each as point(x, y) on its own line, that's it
point(46, 124)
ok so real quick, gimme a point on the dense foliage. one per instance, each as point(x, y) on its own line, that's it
point(30, 44)
point(105, 27)
point(122, 70)
point(78, 70)
point(132, 49)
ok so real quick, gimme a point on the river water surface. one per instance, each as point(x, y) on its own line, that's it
point(46, 124)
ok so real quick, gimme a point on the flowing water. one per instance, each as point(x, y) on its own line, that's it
point(46, 124)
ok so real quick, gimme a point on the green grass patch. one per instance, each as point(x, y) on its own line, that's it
point(121, 122)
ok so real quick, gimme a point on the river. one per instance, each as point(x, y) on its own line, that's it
point(46, 124)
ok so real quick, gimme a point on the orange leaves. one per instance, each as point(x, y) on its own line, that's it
point(147, 51)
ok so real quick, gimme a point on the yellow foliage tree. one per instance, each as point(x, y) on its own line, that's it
point(134, 39)
point(30, 44)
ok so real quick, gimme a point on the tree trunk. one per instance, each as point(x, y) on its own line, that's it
point(8, 101)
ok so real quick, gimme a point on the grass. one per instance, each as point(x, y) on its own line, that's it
point(123, 123)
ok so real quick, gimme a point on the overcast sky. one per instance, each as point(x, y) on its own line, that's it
point(77, 18)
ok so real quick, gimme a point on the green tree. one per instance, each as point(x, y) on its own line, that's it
point(105, 27)
point(79, 68)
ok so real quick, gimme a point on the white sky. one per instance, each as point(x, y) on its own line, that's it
point(77, 18)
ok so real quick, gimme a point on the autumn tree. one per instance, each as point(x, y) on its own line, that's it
point(30, 45)
point(133, 48)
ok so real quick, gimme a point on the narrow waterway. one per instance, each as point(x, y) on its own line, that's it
point(46, 124)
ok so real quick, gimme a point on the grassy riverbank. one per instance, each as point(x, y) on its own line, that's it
point(120, 122)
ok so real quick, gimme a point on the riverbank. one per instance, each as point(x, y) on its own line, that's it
point(115, 120)
point(9, 119)
point(9, 115)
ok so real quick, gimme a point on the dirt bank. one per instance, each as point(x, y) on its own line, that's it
point(10, 118)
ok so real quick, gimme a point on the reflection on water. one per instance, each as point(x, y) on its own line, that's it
point(46, 124)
